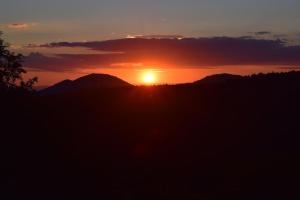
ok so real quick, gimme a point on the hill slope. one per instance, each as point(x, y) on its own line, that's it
point(92, 81)
point(219, 78)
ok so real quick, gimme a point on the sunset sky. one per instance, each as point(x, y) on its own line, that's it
point(176, 40)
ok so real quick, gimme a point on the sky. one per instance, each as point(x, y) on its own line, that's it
point(40, 22)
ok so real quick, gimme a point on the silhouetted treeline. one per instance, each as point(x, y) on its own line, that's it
point(222, 137)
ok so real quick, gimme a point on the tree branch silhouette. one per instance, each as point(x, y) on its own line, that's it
point(11, 69)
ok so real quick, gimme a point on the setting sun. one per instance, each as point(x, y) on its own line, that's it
point(149, 77)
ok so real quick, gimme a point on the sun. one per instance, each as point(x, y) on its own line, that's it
point(149, 78)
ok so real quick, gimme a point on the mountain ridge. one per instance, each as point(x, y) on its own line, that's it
point(86, 82)
point(106, 81)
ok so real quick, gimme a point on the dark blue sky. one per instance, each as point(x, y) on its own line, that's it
point(77, 20)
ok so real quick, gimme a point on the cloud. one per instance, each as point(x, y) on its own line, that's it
point(155, 36)
point(70, 62)
point(21, 25)
point(185, 52)
point(263, 33)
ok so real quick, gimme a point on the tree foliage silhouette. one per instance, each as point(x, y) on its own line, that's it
point(11, 69)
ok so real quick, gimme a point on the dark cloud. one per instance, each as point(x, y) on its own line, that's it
point(186, 52)
point(246, 37)
point(69, 62)
point(263, 33)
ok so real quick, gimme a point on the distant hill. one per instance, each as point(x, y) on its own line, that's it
point(219, 78)
point(105, 81)
point(58, 87)
point(92, 81)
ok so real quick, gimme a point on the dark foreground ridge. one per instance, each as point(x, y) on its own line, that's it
point(225, 137)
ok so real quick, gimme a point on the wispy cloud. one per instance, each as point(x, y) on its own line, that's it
point(22, 25)
point(263, 33)
point(155, 36)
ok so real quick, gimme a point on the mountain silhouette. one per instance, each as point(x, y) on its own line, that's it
point(91, 81)
point(219, 78)
point(98, 81)
point(58, 87)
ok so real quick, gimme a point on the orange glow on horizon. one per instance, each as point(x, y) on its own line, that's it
point(154, 76)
